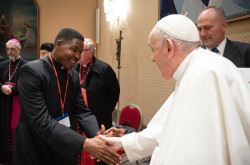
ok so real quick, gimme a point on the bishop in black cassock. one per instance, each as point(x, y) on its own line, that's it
point(9, 100)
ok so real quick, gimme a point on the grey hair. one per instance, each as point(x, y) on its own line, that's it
point(16, 44)
point(90, 45)
point(184, 45)
point(220, 13)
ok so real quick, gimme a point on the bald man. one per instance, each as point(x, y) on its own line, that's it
point(206, 119)
point(212, 25)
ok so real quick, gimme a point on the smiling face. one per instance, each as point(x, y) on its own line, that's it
point(12, 51)
point(211, 28)
point(68, 53)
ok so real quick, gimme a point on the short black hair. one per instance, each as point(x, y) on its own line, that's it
point(47, 46)
point(67, 34)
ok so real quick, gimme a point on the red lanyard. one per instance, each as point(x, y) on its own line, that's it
point(58, 85)
point(82, 78)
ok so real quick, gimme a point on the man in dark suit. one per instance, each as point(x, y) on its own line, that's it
point(1, 58)
point(212, 26)
point(50, 100)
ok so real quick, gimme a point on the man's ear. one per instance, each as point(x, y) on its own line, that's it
point(170, 47)
point(224, 25)
point(58, 42)
point(91, 52)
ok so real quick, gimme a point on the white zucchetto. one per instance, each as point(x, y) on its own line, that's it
point(180, 27)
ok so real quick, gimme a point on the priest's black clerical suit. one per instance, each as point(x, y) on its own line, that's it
point(39, 138)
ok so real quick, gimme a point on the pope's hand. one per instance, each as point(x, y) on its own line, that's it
point(98, 149)
point(113, 142)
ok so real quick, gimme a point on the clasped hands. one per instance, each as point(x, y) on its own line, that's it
point(6, 89)
point(99, 148)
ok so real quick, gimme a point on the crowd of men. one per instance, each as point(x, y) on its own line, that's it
point(54, 108)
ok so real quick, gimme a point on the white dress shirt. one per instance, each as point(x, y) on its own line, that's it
point(221, 47)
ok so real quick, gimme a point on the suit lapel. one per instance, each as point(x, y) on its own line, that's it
point(230, 50)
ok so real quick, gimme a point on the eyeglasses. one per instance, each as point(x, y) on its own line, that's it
point(10, 49)
point(85, 50)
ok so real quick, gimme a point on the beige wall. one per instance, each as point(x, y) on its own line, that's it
point(57, 14)
point(140, 80)
point(239, 29)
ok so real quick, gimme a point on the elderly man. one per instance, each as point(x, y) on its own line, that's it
point(206, 119)
point(51, 100)
point(212, 25)
point(100, 82)
point(9, 99)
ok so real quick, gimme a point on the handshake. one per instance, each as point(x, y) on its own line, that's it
point(105, 145)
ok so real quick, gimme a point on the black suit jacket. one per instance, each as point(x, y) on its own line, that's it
point(1, 58)
point(39, 138)
point(237, 52)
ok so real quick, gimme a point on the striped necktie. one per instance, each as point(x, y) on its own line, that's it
point(215, 50)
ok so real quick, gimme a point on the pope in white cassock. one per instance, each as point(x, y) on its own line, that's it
point(206, 120)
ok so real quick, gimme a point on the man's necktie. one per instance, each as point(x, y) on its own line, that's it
point(215, 50)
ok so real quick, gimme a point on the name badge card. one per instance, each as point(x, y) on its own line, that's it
point(64, 120)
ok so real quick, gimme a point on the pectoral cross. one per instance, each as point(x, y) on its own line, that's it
point(8, 82)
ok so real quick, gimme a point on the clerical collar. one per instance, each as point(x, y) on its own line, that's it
point(16, 60)
point(57, 64)
point(87, 65)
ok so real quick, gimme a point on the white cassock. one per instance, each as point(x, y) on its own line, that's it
point(206, 120)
